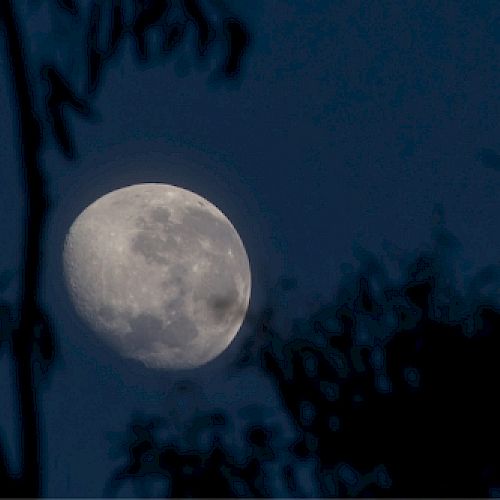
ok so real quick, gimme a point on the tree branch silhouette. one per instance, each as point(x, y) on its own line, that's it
point(23, 338)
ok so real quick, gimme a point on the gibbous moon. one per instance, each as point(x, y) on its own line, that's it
point(159, 273)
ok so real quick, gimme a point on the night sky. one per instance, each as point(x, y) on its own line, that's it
point(351, 126)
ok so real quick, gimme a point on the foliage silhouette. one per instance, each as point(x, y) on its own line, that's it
point(408, 411)
point(193, 470)
point(426, 431)
point(31, 336)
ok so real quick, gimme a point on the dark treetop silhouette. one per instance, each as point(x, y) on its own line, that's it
point(32, 338)
point(429, 430)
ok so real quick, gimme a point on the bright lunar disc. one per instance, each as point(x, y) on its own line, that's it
point(159, 273)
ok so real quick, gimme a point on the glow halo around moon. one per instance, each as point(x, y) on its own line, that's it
point(159, 273)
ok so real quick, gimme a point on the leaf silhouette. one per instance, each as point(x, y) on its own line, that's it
point(238, 40)
point(419, 294)
point(206, 33)
point(117, 26)
point(173, 35)
point(60, 94)
point(148, 14)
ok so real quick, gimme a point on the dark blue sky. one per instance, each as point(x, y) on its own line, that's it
point(351, 122)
